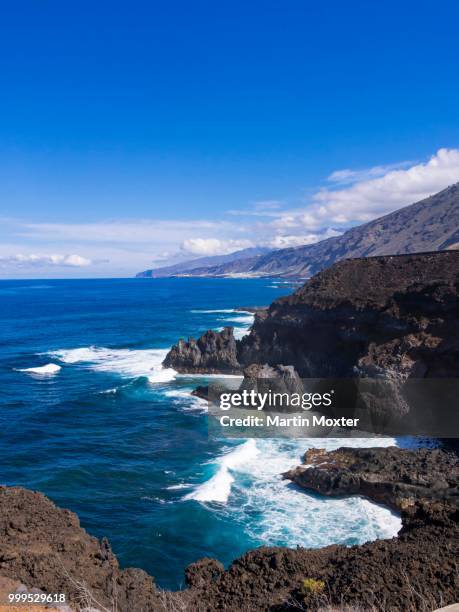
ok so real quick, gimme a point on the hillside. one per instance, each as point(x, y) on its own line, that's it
point(199, 265)
point(429, 225)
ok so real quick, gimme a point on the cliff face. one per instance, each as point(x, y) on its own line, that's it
point(376, 316)
point(387, 317)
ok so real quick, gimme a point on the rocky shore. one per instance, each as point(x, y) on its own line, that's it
point(45, 548)
point(391, 476)
point(392, 320)
point(382, 316)
point(390, 317)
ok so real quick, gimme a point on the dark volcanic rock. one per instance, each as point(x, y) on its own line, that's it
point(415, 571)
point(391, 476)
point(214, 352)
point(277, 379)
point(392, 319)
point(44, 547)
point(383, 316)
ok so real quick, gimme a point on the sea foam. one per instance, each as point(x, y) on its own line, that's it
point(50, 369)
point(241, 319)
point(249, 483)
point(126, 362)
point(218, 488)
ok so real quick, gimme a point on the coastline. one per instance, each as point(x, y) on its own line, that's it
point(430, 530)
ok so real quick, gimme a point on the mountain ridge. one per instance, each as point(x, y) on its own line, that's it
point(429, 225)
point(203, 263)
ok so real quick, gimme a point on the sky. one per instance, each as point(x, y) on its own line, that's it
point(137, 134)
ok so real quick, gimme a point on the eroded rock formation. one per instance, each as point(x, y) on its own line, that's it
point(214, 352)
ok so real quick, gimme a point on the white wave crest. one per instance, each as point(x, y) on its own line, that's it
point(217, 311)
point(127, 362)
point(242, 319)
point(218, 488)
point(186, 401)
point(314, 521)
point(50, 369)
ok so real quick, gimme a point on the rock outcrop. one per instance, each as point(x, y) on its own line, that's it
point(214, 352)
point(378, 316)
point(45, 548)
point(277, 379)
point(391, 476)
point(394, 316)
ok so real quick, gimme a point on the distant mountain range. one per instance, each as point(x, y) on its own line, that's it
point(429, 225)
point(190, 268)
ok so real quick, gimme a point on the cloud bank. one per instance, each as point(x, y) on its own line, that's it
point(214, 246)
point(350, 197)
point(368, 199)
point(72, 261)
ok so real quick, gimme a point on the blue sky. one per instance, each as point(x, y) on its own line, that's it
point(133, 132)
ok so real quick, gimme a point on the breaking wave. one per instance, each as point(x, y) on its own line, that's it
point(218, 488)
point(126, 362)
point(50, 369)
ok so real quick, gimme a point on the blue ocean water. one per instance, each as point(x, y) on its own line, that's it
point(89, 417)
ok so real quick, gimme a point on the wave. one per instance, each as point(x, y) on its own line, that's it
point(314, 521)
point(218, 488)
point(50, 369)
point(249, 483)
point(127, 362)
point(242, 318)
point(216, 311)
point(186, 401)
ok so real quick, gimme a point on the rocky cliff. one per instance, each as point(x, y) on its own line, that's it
point(366, 317)
point(45, 548)
point(214, 352)
point(376, 316)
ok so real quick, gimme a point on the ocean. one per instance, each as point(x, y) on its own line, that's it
point(89, 417)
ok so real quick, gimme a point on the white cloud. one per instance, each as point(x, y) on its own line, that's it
point(284, 242)
point(267, 205)
point(287, 241)
point(214, 246)
point(260, 208)
point(367, 199)
point(73, 260)
point(129, 231)
point(347, 176)
point(130, 245)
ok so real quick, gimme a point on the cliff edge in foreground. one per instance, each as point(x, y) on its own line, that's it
point(44, 547)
